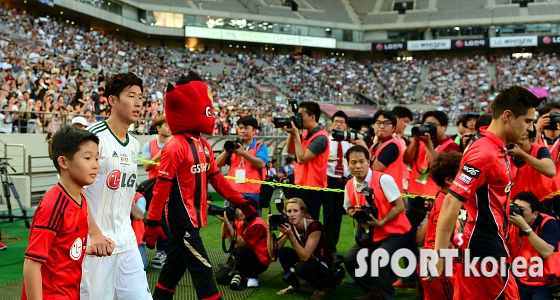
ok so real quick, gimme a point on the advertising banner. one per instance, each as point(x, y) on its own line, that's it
point(470, 44)
point(513, 41)
point(385, 47)
point(428, 45)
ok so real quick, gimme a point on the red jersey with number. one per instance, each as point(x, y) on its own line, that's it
point(58, 241)
point(483, 184)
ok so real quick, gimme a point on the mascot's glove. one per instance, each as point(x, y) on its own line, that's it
point(153, 232)
point(246, 208)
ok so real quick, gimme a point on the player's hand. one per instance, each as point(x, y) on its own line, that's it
point(152, 233)
point(100, 246)
point(516, 151)
point(439, 268)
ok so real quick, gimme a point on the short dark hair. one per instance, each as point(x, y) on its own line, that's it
point(402, 112)
point(548, 107)
point(253, 203)
point(248, 121)
point(101, 89)
point(357, 149)
point(468, 116)
point(118, 82)
point(439, 115)
point(67, 141)
point(312, 108)
point(387, 114)
point(483, 120)
point(516, 99)
point(529, 198)
point(364, 126)
point(341, 114)
point(445, 165)
point(289, 160)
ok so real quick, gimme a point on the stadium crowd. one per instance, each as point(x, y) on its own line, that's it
point(50, 75)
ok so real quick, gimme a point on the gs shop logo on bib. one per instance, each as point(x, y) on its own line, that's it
point(117, 179)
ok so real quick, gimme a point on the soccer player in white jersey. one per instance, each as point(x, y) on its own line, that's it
point(121, 275)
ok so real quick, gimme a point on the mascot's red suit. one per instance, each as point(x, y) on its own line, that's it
point(186, 167)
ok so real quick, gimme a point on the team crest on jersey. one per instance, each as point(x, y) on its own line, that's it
point(124, 159)
point(117, 179)
point(76, 249)
point(206, 151)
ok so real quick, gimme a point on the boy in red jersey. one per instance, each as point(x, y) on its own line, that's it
point(443, 170)
point(57, 243)
point(482, 187)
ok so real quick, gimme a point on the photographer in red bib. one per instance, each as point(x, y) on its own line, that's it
point(548, 127)
point(247, 159)
point(312, 154)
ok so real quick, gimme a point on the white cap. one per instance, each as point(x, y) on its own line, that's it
point(80, 120)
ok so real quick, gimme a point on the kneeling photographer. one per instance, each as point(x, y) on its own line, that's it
point(374, 199)
point(309, 259)
point(249, 257)
point(534, 235)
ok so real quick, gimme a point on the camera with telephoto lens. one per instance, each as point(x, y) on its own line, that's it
point(553, 283)
point(280, 122)
point(514, 208)
point(231, 145)
point(215, 210)
point(362, 215)
point(421, 130)
point(235, 281)
point(341, 135)
point(554, 120)
point(281, 218)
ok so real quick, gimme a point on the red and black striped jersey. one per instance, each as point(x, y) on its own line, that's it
point(58, 241)
point(483, 183)
point(187, 166)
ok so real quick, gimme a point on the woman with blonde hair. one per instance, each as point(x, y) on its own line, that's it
point(309, 258)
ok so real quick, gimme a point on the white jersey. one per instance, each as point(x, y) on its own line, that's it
point(110, 196)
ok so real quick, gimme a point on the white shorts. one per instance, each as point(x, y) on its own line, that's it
point(119, 276)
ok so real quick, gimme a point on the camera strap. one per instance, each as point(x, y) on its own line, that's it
point(551, 147)
point(231, 243)
point(275, 245)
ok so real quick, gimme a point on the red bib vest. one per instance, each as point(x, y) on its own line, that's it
point(520, 246)
point(396, 168)
point(554, 152)
point(138, 225)
point(399, 225)
point(314, 172)
point(527, 176)
point(154, 150)
point(261, 248)
point(239, 163)
point(422, 161)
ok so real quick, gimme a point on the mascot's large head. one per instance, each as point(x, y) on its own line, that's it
point(188, 106)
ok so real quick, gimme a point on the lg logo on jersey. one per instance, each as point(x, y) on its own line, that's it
point(199, 168)
point(117, 179)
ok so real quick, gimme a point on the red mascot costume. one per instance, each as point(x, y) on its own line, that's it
point(186, 167)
